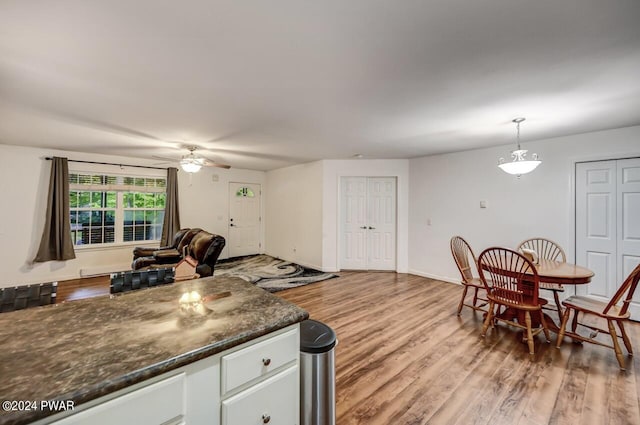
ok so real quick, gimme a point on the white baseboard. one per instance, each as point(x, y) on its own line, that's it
point(103, 270)
point(433, 276)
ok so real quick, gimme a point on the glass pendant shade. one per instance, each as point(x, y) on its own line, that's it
point(519, 163)
point(190, 165)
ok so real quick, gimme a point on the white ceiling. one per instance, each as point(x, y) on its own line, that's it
point(264, 84)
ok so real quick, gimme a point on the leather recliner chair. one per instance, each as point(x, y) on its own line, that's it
point(145, 251)
point(203, 246)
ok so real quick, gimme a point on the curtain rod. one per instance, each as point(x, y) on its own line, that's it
point(48, 158)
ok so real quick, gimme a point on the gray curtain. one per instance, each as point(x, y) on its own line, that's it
point(171, 223)
point(56, 244)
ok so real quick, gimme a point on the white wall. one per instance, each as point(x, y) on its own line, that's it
point(294, 214)
point(333, 171)
point(447, 189)
point(24, 180)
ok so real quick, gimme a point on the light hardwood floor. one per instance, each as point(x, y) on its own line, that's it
point(404, 357)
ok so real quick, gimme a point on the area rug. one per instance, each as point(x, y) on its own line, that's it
point(269, 273)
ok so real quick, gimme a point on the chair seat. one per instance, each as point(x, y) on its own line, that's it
point(475, 282)
point(506, 302)
point(592, 306)
point(552, 287)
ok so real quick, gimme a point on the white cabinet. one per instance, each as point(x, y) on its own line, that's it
point(192, 394)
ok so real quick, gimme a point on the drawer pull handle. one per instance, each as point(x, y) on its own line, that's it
point(266, 362)
point(266, 418)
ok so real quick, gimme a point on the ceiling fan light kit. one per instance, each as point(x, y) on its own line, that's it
point(519, 164)
point(192, 163)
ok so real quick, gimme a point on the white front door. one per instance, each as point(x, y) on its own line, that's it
point(608, 225)
point(368, 223)
point(244, 219)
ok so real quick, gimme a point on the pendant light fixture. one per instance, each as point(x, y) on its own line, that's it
point(519, 164)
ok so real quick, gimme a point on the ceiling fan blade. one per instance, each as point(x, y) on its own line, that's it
point(216, 164)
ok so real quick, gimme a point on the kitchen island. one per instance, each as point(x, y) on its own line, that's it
point(128, 354)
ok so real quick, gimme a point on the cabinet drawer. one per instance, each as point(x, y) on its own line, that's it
point(274, 401)
point(259, 359)
point(158, 403)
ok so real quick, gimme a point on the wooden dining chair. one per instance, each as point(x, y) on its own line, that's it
point(463, 256)
point(611, 312)
point(514, 285)
point(549, 250)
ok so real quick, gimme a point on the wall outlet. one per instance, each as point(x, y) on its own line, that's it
point(215, 177)
point(484, 204)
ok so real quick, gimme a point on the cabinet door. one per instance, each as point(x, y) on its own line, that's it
point(158, 403)
point(273, 401)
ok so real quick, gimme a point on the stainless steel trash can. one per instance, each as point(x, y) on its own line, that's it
point(317, 374)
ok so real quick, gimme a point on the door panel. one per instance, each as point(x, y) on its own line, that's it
point(596, 227)
point(354, 223)
point(382, 223)
point(628, 216)
point(244, 219)
point(600, 264)
point(608, 225)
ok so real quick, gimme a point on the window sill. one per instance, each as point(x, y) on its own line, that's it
point(115, 246)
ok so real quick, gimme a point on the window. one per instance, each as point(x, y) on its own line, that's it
point(108, 209)
point(245, 192)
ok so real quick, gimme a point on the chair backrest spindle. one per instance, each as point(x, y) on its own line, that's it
point(514, 278)
point(545, 248)
point(461, 252)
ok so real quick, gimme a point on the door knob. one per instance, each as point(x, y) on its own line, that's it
point(266, 418)
point(372, 228)
point(231, 225)
point(363, 227)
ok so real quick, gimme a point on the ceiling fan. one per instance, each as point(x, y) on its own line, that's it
point(192, 162)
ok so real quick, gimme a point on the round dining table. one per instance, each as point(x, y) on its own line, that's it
point(550, 271)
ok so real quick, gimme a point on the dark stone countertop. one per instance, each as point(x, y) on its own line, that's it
point(82, 350)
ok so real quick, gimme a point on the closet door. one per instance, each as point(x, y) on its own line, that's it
point(353, 216)
point(628, 216)
point(608, 225)
point(382, 223)
point(368, 223)
point(596, 238)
